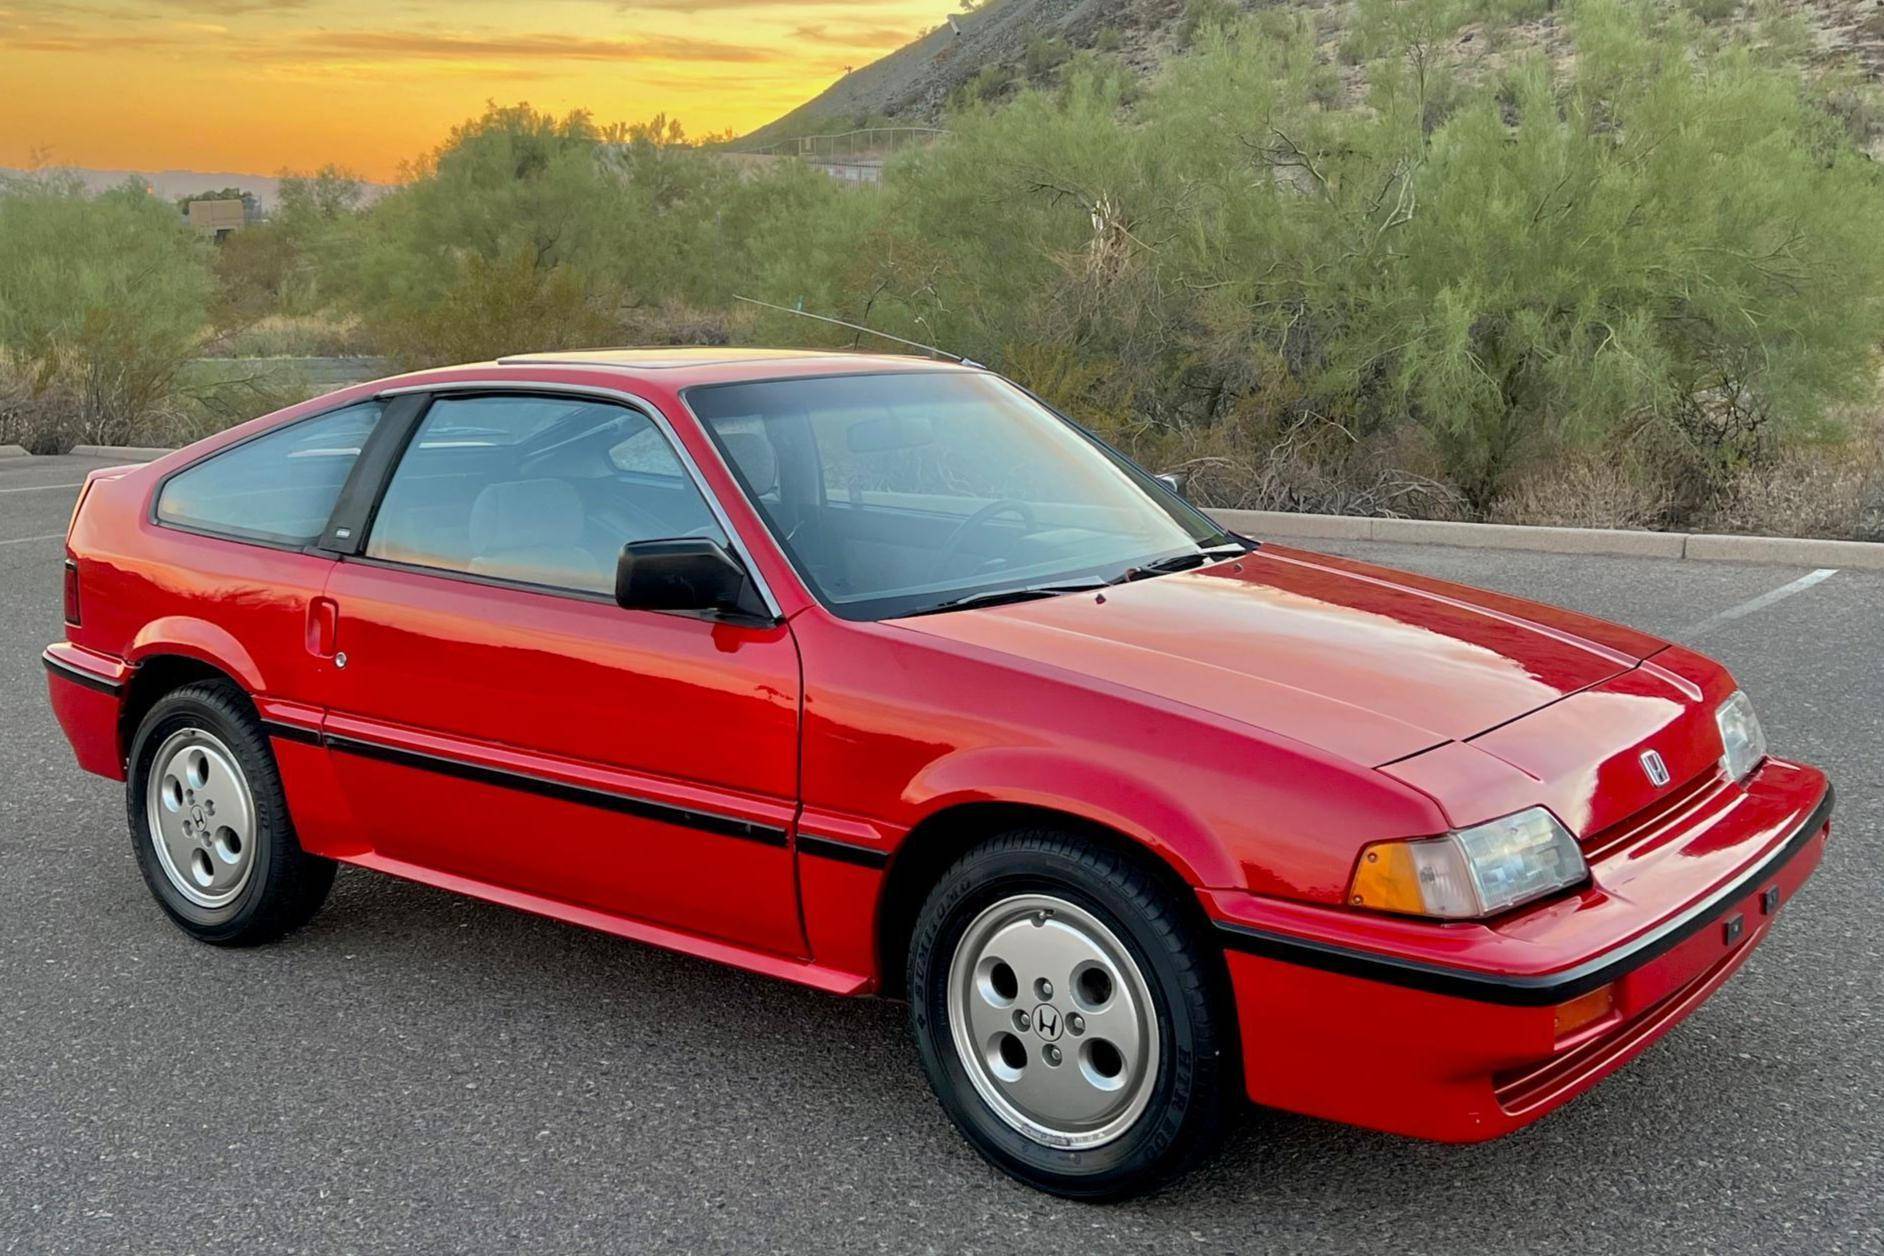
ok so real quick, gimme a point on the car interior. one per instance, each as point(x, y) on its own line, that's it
point(875, 503)
point(540, 490)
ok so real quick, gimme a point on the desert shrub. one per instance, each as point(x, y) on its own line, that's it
point(1201, 16)
point(989, 83)
point(1832, 489)
point(1614, 488)
point(1044, 55)
point(488, 307)
point(102, 299)
point(332, 335)
point(525, 231)
point(253, 271)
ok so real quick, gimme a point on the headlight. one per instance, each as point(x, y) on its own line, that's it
point(1743, 743)
point(1472, 872)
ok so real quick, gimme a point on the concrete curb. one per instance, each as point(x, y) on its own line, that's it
point(1700, 547)
point(130, 453)
point(13, 451)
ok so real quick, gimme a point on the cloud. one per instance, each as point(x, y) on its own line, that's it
point(51, 40)
point(701, 6)
point(413, 45)
point(319, 47)
point(149, 10)
point(867, 38)
point(221, 8)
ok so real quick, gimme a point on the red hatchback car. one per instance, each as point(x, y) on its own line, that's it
point(876, 674)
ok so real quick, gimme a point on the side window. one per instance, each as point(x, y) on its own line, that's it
point(535, 489)
point(279, 487)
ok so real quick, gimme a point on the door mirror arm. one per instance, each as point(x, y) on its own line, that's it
point(1173, 480)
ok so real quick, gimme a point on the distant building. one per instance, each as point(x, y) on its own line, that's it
point(219, 218)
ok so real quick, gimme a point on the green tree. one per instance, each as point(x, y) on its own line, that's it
point(102, 298)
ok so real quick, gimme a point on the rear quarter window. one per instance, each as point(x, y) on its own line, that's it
point(278, 488)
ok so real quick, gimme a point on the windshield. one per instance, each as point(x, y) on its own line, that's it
point(903, 493)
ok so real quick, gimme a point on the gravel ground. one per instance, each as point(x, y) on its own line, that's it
point(416, 1072)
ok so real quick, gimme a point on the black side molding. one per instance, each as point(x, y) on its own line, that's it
point(842, 852)
point(1523, 991)
point(65, 671)
point(292, 732)
point(607, 800)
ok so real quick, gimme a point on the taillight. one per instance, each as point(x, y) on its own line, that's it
point(71, 591)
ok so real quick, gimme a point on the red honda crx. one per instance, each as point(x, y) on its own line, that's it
point(876, 674)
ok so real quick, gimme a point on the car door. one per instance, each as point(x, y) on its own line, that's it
point(493, 715)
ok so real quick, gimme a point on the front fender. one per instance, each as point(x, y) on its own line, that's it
point(1040, 776)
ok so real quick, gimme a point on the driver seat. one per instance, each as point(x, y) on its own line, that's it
point(532, 530)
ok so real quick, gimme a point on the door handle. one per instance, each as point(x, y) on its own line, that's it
point(323, 627)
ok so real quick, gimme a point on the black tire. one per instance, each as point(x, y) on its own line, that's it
point(1194, 1090)
point(285, 885)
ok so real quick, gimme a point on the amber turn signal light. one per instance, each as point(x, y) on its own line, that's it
point(1388, 879)
point(1585, 1010)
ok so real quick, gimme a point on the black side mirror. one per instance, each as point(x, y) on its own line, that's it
point(683, 574)
point(1172, 480)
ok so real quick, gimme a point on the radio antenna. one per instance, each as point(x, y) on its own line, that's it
point(931, 350)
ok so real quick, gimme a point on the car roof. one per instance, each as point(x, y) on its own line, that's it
point(687, 366)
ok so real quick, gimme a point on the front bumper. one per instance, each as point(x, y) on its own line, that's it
point(1451, 1031)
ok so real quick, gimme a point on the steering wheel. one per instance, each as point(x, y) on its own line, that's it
point(993, 510)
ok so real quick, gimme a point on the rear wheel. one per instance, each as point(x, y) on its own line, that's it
point(209, 822)
point(1068, 1019)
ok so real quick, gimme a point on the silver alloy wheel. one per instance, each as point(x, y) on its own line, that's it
point(1053, 1021)
point(201, 817)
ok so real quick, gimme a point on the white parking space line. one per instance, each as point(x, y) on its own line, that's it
point(1752, 604)
point(38, 488)
point(21, 540)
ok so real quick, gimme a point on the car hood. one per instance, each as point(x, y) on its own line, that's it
point(1363, 662)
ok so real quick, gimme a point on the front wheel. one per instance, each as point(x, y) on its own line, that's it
point(1069, 1020)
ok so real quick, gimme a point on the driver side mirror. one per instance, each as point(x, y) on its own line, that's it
point(683, 574)
point(1173, 480)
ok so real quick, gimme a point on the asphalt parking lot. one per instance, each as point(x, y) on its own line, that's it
point(417, 1072)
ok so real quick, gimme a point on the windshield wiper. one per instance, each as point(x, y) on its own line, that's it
point(1179, 562)
point(997, 597)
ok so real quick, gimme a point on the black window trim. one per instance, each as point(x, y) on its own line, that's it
point(360, 497)
point(398, 444)
point(217, 534)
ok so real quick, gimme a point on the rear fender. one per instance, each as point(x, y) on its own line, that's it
point(198, 639)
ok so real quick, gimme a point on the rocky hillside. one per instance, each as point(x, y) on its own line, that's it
point(1004, 44)
point(913, 84)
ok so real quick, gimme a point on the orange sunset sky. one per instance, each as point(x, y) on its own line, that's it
point(259, 86)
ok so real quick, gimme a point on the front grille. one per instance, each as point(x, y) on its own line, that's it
point(1675, 810)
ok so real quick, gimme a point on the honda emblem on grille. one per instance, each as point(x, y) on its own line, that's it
point(1656, 769)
